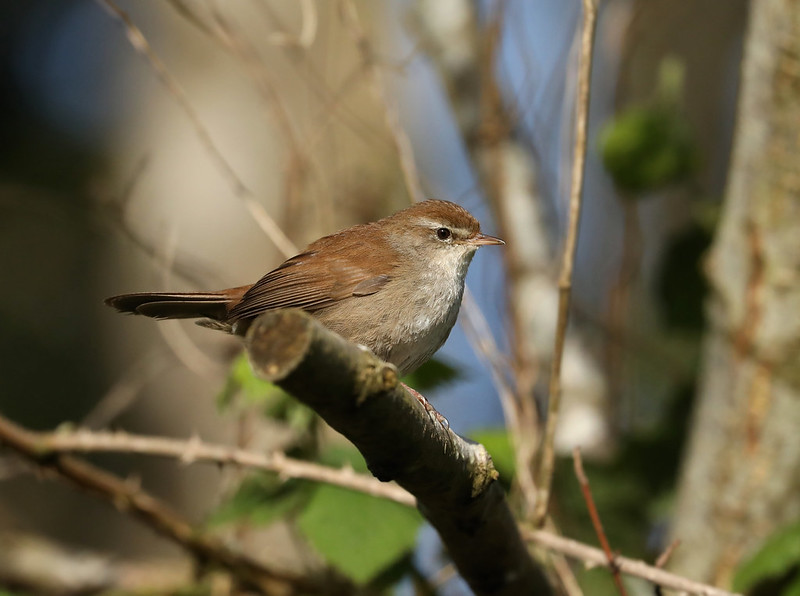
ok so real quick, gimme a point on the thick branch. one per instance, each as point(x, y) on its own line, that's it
point(360, 396)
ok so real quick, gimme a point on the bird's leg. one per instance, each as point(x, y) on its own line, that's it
point(427, 405)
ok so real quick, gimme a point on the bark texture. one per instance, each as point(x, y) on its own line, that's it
point(741, 477)
point(454, 481)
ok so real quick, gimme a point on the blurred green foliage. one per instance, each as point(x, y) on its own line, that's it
point(432, 374)
point(775, 569)
point(647, 147)
point(633, 489)
point(359, 534)
point(362, 536)
point(273, 401)
point(366, 538)
point(681, 286)
point(262, 499)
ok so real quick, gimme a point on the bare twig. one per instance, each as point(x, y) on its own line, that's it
point(399, 135)
point(114, 209)
point(663, 558)
point(332, 100)
point(598, 525)
point(129, 497)
point(596, 556)
point(234, 39)
point(46, 448)
point(308, 30)
point(123, 393)
point(174, 335)
point(196, 450)
point(477, 331)
point(49, 446)
point(566, 576)
point(240, 190)
point(547, 461)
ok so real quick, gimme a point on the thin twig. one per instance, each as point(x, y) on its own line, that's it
point(598, 525)
point(129, 497)
point(196, 450)
point(562, 568)
point(174, 335)
point(595, 556)
point(123, 393)
point(114, 209)
point(662, 560)
point(256, 210)
point(547, 461)
point(399, 135)
point(308, 30)
point(242, 49)
point(480, 337)
point(664, 557)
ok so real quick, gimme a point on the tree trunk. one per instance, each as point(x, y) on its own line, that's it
point(741, 476)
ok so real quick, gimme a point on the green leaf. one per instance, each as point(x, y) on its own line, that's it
point(337, 456)
point(432, 374)
point(255, 390)
point(498, 444)
point(779, 553)
point(261, 499)
point(274, 401)
point(359, 534)
point(242, 380)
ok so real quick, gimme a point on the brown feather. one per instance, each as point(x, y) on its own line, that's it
point(331, 269)
point(178, 305)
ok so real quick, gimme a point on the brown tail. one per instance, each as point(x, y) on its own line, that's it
point(168, 305)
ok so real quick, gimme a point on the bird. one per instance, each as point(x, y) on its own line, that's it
point(394, 285)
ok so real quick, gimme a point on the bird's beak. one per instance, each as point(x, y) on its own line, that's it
point(484, 240)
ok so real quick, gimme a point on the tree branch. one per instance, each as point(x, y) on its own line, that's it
point(129, 497)
point(568, 259)
point(595, 556)
point(196, 450)
point(193, 450)
point(454, 481)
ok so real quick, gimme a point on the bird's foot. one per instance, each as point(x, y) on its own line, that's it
point(432, 412)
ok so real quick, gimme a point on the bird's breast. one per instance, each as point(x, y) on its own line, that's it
point(404, 323)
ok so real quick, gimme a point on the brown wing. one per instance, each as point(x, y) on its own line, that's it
point(331, 269)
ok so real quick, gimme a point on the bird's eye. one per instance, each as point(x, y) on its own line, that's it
point(443, 233)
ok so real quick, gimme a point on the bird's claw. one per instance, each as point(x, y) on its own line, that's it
point(432, 412)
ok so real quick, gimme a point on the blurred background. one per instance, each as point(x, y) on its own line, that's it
point(191, 145)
